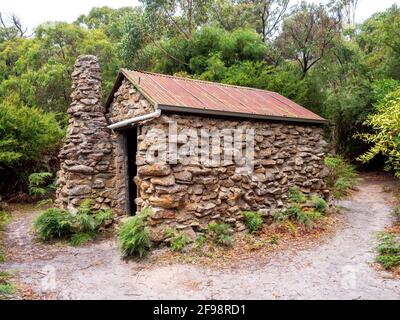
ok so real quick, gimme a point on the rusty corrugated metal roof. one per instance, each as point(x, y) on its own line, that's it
point(188, 95)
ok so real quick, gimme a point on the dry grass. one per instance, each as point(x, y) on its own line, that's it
point(247, 247)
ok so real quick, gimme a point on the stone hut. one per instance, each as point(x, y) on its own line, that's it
point(194, 151)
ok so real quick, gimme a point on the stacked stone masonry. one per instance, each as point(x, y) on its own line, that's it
point(184, 196)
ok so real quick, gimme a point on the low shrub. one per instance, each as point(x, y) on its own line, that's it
point(102, 217)
point(319, 203)
point(6, 288)
point(79, 239)
point(53, 223)
point(296, 196)
point(220, 233)
point(342, 176)
point(388, 250)
point(134, 236)
point(178, 239)
point(253, 220)
point(41, 184)
point(4, 219)
point(280, 216)
point(200, 241)
point(396, 211)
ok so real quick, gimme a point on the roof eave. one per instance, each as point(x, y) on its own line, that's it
point(184, 109)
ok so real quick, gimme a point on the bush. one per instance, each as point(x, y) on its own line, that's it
point(342, 175)
point(4, 219)
point(78, 239)
point(253, 221)
point(134, 236)
point(388, 250)
point(319, 203)
point(53, 223)
point(41, 184)
point(101, 217)
point(385, 138)
point(280, 216)
point(221, 233)
point(179, 240)
point(27, 137)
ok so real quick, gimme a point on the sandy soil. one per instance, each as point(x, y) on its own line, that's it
point(339, 268)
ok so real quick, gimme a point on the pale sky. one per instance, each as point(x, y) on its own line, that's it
point(34, 12)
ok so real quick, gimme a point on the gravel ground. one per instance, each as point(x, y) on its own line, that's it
point(339, 268)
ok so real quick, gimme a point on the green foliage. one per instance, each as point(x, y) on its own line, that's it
point(178, 239)
point(4, 219)
point(385, 138)
point(396, 211)
point(80, 238)
point(27, 134)
point(319, 203)
point(103, 216)
point(280, 216)
point(27, 137)
point(53, 224)
point(295, 213)
point(200, 240)
point(296, 196)
point(40, 183)
point(342, 175)
point(58, 224)
point(253, 220)
point(274, 240)
point(134, 236)
point(220, 233)
point(388, 250)
point(6, 288)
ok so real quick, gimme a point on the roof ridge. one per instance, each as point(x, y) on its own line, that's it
point(201, 81)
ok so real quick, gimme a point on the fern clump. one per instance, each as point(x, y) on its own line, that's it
point(53, 223)
point(178, 239)
point(296, 196)
point(41, 184)
point(388, 250)
point(221, 233)
point(319, 203)
point(134, 236)
point(342, 176)
point(253, 220)
point(80, 238)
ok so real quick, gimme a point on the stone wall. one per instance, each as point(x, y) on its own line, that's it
point(189, 196)
point(185, 196)
point(127, 103)
point(86, 169)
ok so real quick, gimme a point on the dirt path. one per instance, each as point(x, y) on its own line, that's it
point(340, 268)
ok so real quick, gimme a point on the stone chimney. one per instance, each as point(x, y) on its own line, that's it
point(85, 157)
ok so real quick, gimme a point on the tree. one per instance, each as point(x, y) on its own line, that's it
point(380, 40)
point(39, 70)
point(11, 27)
point(107, 19)
point(308, 35)
point(269, 15)
point(349, 8)
point(385, 138)
point(182, 16)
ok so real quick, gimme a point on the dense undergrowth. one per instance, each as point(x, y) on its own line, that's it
point(59, 224)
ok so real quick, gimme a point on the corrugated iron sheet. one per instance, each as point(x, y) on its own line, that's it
point(204, 95)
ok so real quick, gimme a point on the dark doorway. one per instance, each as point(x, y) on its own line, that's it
point(131, 149)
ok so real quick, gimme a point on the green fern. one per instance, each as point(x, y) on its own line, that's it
point(134, 236)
